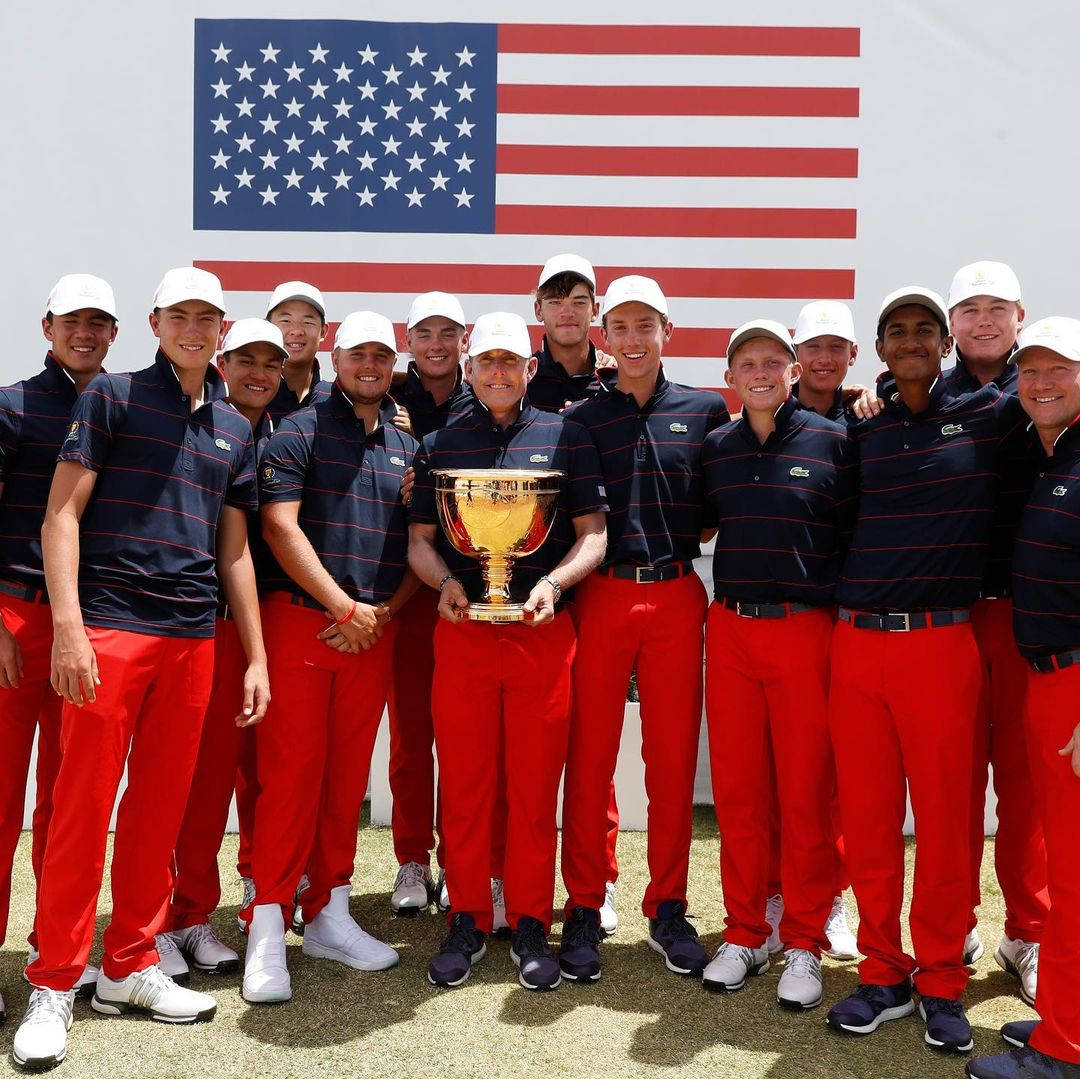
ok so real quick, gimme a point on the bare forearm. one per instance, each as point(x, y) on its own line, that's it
point(409, 584)
point(424, 560)
point(60, 552)
point(238, 577)
point(298, 559)
point(586, 554)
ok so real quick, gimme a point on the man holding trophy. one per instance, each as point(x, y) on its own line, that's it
point(508, 484)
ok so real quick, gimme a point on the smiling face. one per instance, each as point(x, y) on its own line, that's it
point(437, 344)
point(363, 371)
point(499, 378)
point(825, 362)
point(635, 334)
point(985, 327)
point(912, 343)
point(761, 373)
point(1049, 388)
point(189, 332)
point(80, 339)
point(302, 327)
point(567, 313)
point(253, 374)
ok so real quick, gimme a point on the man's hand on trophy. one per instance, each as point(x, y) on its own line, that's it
point(453, 603)
point(540, 606)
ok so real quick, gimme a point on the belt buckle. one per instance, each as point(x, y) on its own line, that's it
point(906, 627)
point(738, 610)
point(637, 574)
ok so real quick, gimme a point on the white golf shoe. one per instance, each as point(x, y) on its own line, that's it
point(266, 977)
point(151, 992)
point(41, 1040)
point(334, 934)
point(800, 983)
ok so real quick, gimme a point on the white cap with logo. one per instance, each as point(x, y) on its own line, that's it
point(574, 264)
point(365, 327)
point(500, 330)
point(189, 283)
point(296, 290)
point(1057, 333)
point(252, 331)
point(75, 291)
point(914, 294)
point(633, 288)
point(824, 318)
point(760, 327)
point(429, 304)
point(984, 279)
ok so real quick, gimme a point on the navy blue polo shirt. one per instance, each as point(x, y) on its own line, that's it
point(34, 418)
point(1046, 564)
point(285, 401)
point(651, 462)
point(348, 484)
point(927, 491)
point(425, 415)
point(835, 412)
point(536, 440)
point(783, 509)
point(552, 386)
point(148, 540)
point(960, 380)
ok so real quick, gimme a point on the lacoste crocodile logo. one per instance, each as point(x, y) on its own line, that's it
point(953, 429)
point(798, 471)
point(678, 428)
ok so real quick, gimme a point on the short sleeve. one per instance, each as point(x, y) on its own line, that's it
point(10, 424)
point(93, 423)
point(585, 492)
point(284, 464)
point(243, 489)
point(422, 508)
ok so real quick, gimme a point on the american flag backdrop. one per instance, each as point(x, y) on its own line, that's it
point(378, 160)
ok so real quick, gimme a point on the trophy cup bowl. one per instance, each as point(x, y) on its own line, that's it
point(495, 515)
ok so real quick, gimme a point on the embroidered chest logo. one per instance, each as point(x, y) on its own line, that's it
point(1060, 491)
point(222, 444)
point(953, 429)
point(398, 461)
point(799, 471)
point(678, 428)
point(539, 458)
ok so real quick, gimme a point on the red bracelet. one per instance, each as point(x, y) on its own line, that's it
point(352, 611)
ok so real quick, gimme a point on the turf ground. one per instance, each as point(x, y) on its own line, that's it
point(639, 1020)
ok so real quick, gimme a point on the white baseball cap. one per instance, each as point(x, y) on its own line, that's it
point(824, 318)
point(760, 327)
point(296, 290)
point(363, 327)
point(634, 287)
point(984, 279)
point(251, 331)
point(574, 264)
point(1057, 333)
point(429, 304)
point(924, 297)
point(75, 291)
point(503, 330)
point(189, 283)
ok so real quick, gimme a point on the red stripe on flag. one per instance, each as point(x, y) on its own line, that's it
point(681, 40)
point(676, 161)
point(691, 342)
point(466, 278)
point(673, 221)
point(678, 100)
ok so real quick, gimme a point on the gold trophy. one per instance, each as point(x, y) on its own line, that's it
point(496, 515)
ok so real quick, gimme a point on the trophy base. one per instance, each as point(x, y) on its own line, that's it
point(497, 612)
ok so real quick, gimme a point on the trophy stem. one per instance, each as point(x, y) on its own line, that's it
point(496, 570)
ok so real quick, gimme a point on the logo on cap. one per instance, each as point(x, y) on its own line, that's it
point(678, 428)
point(799, 471)
point(825, 316)
point(953, 429)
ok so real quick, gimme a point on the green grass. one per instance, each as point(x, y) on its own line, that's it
point(639, 1020)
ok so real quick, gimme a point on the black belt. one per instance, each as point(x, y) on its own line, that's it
point(903, 621)
point(1057, 662)
point(648, 574)
point(763, 610)
point(24, 592)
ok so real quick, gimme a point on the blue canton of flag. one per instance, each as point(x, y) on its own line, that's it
point(330, 125)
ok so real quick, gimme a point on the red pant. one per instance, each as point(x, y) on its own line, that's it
point(843, 881)
point(412, 735)
point(513, 679)
point(656, 628)
point(33, 706)
point(225, 752)
point(152, 699)
point(903, 706)
point(1051, 717)
point(1019, 849)
point(313, 754)
point(766, 694)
